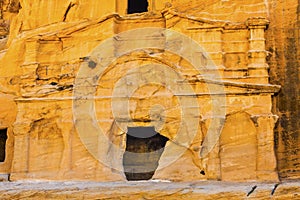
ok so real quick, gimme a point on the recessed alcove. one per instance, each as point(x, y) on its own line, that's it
point(137, 6)
point(144, 147)
point(3, 138)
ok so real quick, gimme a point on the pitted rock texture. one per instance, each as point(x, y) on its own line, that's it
point(283, 44)
point(156, 190)
point(43, 52)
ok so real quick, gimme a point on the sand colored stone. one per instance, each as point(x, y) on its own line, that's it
point(43, 55)
point(148, 190)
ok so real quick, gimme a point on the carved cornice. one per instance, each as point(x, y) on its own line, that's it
point(257, 22)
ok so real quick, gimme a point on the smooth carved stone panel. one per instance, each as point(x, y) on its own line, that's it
point(238, 148)
point(46, 145)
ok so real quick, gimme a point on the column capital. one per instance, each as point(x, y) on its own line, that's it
point(256, 118)
point(257, 23)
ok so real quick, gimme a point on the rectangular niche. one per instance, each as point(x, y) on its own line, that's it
point(3, 139)
point(137, 6)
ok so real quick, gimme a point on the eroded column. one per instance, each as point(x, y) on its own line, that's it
point(266, 160)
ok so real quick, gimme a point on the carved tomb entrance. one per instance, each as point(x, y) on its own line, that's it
point(144, 147)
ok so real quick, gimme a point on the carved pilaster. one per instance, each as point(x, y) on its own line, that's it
point(257, 53)
point(121, 7)
point(266, 159)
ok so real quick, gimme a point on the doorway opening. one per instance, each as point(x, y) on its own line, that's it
point(3, 138)
point(144, 147)
point(137, 6)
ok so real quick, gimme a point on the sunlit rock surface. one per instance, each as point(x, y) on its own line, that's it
point(248, 49)
point(149, 190)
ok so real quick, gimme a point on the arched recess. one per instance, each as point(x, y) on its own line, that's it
point(238, 148)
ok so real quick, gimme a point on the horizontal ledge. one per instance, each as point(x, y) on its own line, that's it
point(261, 87)
point(67, 28)
point(248, 93)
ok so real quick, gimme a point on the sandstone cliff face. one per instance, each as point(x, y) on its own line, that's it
point(9, 9)
point(45, 52)
point(234, 11)
point(283, 43)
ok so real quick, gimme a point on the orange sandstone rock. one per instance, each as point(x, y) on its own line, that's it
point(213, 104)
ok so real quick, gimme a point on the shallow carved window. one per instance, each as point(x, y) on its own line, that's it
point(3, 138)
point(137, 6)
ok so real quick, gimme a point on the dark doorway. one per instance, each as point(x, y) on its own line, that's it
point(137, 6)
point(144, 147)
point(3, 138)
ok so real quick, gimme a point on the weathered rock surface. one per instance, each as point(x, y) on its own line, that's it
point(44, 53)
point(283, 44)
point(150, 190)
